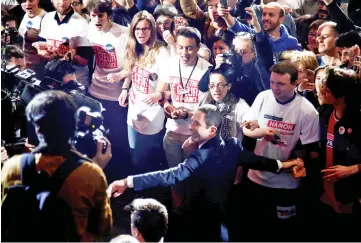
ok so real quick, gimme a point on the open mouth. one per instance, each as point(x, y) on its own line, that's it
point(29, 9)
point(98, 25)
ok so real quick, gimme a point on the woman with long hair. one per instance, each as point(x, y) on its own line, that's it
point(144, 58)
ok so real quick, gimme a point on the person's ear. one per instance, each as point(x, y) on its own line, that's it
point(229, 87)
point(282, 19)
point(213, 130)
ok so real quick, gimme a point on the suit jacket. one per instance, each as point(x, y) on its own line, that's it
point(208, 175)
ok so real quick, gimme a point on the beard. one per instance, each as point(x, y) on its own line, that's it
point(61, 10)
point(271, 27)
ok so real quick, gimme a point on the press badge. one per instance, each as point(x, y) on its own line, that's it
point(286, 212)
point(182, 91)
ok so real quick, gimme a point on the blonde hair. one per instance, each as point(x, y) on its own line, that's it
point(136, 54)
point(307, 59)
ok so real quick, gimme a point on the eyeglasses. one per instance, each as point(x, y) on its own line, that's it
point(75, 4)
point(218, 86)
point(144, 30)
point(165, 23)
point(243, 51)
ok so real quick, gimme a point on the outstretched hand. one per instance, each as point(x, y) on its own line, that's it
point(117, 188)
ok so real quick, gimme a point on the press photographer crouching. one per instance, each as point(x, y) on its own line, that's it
point(53, 114)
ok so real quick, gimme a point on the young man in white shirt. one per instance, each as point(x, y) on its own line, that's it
point(184, 74)
point(286, 121)
point(64, 33)
point(29, 29)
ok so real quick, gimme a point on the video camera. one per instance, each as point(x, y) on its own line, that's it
point(89, 125)
point(90, 131)
point(12, 32)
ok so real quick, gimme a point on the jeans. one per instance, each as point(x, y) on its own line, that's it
point(146, 151)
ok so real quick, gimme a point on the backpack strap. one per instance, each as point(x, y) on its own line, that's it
point(28, 172)
point(64, 170)
point(29, 175)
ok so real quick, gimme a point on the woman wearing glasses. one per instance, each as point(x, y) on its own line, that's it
point(145, 56)
point(78, 7)
point(232, 109)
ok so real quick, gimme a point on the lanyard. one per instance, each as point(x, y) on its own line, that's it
point(181, 80)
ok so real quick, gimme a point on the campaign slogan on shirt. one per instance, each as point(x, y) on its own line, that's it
point(140, 79)
point(60, 47)
point(189, 91)
point(105, 56)
point(285, 128)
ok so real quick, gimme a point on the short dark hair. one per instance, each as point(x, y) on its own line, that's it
point(190, 32)
point(13, 51)
point(343, 83)
point(58, 68)
point(166, 10)
point(315, 24)
point(224, 35)
point(150, 218)
point(227, 71)
point(55, 113)
point(286, 67)
point(213, 116)
point(349, 39)
point(6, 19)
point(100, 6)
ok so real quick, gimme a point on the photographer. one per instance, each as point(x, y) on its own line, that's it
point(84, 189)
point(10, 25)
point(13, 56)
point(252, 58)
point(58, 70)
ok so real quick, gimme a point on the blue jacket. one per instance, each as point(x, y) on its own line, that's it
point(208, 175)
point(284, 43)
point(289, 22)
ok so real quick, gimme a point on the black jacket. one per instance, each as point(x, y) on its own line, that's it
point(346, 149)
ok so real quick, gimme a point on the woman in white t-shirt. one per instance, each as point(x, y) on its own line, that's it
point(29, 30)
point(232, 109)
point(145, 57)
point(108, 41)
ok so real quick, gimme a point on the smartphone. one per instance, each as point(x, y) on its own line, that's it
point(224, 3)
point(355, 68)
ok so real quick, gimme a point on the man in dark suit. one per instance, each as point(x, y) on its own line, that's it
point(207, 174)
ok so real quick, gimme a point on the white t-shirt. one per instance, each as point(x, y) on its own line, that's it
point(109, 48)
point(186, 94)
point(239, 112)
point(74, 31)
point(294, 121)
point(30, 53)
point(146, 119)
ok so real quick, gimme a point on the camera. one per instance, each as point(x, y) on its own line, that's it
point(89, 124)
point(231, 57)
point(12, 32)
point(240, 9)
point(90, 131)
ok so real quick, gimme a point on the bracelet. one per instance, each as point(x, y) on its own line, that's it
point(124, 88)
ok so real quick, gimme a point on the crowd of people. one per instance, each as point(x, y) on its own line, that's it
point(242, 116)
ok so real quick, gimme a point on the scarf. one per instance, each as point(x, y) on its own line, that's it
point(226, 106)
